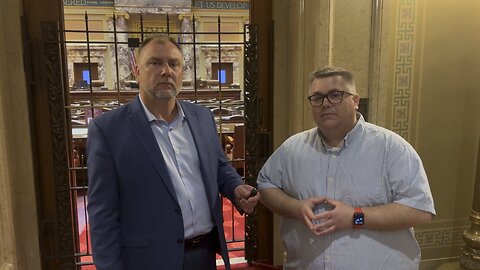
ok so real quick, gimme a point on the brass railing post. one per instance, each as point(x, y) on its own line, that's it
point(470, 256)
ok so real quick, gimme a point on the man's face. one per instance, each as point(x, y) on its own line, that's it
point(160, 70)
point(340, 116)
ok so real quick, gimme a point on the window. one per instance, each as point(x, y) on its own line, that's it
point(224, 75)
point(86, 76)
point(82, 75)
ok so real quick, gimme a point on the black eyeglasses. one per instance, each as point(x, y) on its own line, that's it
point(334, 97)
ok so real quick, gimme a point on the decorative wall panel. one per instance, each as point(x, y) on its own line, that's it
point(440, 237)
point(404, 65)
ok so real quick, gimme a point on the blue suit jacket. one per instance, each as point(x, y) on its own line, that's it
point(134, 216)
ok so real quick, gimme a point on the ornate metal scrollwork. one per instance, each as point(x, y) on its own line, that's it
point(252, 122)
point(64, 247)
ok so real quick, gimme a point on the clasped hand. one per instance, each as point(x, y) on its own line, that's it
point(243, 199)
point(339, 217)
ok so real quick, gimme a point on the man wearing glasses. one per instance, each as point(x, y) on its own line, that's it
point(349, 192)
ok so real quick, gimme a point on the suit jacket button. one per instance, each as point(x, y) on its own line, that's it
point(179, 241)
point(177, 210)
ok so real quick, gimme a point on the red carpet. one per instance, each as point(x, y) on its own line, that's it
point(254, 266)
point(234, 225)
point(84, 248)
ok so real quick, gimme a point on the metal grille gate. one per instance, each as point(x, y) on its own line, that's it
point(73, 104)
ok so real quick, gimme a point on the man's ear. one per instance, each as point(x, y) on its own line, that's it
point(136, 71)
point(356, 99)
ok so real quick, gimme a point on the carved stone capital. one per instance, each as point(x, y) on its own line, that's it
point(123, 15)
point(188, 16)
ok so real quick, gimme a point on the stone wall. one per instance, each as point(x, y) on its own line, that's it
point(19, 244)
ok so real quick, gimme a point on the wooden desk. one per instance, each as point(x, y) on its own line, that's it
point(234, 130)
point(124, 96)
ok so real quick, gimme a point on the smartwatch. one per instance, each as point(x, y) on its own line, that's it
point(358, 218)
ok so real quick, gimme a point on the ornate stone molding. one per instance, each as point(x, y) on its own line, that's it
point(133, 9)
point(78, 54)
point(120, 14)
point(155, 27)
point(229, 54)
point(185, 16)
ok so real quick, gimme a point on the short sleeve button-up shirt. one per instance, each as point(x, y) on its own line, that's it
point(373, 166)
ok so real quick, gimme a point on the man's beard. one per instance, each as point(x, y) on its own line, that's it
point(163, 94)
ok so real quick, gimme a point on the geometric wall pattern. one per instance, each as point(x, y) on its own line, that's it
point(440, 237)
point(403, 63)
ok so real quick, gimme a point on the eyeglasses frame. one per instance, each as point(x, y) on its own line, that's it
point(326, 96)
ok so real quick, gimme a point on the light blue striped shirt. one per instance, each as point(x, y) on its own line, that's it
point(178, 149)
point(374, 166)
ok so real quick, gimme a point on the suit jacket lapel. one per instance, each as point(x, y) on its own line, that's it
point(141, 128)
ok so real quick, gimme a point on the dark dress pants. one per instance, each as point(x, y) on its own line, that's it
point(201, 255)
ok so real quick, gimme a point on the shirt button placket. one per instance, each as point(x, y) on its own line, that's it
point(331, 173)
point(331, 169)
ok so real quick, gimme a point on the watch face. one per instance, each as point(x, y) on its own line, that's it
point(358, 218)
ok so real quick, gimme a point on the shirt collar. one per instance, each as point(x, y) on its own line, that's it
point(349, 138)
point(355, 130)
point(152, 119)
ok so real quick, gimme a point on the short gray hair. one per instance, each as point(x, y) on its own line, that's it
point(160, 39)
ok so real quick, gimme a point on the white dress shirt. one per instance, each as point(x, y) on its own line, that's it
point(180, 154)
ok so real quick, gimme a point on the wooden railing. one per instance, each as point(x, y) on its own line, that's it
point(124, 96)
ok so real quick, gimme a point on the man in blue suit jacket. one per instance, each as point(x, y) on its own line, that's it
point(156, 169)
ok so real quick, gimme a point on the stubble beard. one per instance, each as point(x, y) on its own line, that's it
point(163, 94)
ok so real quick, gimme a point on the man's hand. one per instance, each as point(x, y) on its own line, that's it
point(339, 218)
point(304, 210)
point(246, 197)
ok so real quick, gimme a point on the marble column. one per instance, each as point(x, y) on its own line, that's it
point(19, 204)
point(187, 27)
point(121, 53)
point(470, 256)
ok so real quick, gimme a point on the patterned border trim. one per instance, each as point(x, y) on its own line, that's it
point(404, 63)
point(440, 237)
